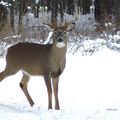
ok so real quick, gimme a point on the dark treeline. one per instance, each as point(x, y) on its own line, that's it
point(104, 10)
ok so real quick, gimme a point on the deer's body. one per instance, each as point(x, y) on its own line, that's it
point(48, 60)
point(35, 59)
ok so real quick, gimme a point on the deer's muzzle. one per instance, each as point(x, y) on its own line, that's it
point(60, 39)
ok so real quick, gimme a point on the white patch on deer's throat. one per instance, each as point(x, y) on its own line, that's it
point(60, 44)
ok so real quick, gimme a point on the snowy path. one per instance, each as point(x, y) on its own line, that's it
point(89, 89)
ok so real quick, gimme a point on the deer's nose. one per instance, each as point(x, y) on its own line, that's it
point(60, 39)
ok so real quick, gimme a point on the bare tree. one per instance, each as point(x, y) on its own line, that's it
point(116, 11)
point(3, 16)
point(102, 10)
point(22, 10)
point(12, 16)
point(86, 6)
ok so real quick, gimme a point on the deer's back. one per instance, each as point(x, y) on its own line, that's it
point(31, 57)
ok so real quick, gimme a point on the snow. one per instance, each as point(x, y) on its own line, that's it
point(37, 1)
point(48, 38)
point(3, 3)
point(88, 90)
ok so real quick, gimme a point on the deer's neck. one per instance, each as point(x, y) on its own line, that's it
point(59, 54)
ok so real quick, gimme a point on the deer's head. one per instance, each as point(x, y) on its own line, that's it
point(59, 33)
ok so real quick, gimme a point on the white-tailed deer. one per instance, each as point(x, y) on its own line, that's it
point(36, 59)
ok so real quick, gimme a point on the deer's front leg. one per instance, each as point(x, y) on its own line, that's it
point(55, 82)
point(49, 90)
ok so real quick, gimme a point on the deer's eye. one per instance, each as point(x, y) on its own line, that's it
point(55, 33)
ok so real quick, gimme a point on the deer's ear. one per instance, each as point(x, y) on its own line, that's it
point(69, 26)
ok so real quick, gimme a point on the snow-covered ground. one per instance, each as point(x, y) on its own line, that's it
point(89, 89)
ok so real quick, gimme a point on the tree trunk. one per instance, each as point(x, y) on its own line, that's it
point(102, 10)
point(70, 7)
point(86, 6)
point(12, 13)
point(20, 17)
point(116, 11)
point(3, 16)
point(54, 11)
point(36, 10)
point(61, 9)
point(22, 10)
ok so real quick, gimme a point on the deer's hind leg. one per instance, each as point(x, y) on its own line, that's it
point(7, 72)
point(3, 75)
point(23, 85)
